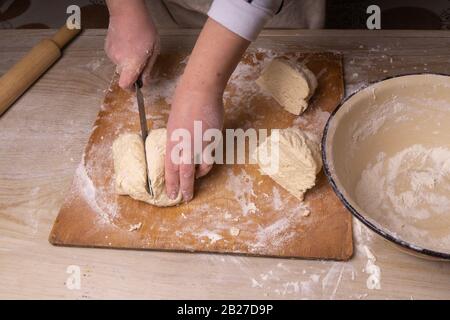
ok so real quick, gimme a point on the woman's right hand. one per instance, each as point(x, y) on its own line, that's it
point(132, 41)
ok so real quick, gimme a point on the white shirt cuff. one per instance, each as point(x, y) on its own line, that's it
point(244, 18)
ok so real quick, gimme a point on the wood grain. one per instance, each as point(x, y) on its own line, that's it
point(42, 138)
point(26, 71)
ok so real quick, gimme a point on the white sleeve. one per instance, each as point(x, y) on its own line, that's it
point(244, 17)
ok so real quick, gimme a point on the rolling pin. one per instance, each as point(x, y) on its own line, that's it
point(25, 72)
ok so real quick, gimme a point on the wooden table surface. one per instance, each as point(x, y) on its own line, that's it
point(41, 142)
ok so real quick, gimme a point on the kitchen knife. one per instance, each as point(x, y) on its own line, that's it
point(144, 128)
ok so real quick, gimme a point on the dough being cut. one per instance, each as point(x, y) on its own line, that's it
point(299, 161)
point(291, 85)
point(129, 167)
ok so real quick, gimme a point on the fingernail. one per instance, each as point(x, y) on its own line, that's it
point(173, 195)
point(187, 196)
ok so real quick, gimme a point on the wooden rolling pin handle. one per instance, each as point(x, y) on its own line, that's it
point(64, 36)
point(25, 72)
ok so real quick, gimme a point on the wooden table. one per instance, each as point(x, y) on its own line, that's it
point(41, 142)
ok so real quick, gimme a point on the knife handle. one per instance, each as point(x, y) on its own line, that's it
point(25, 72)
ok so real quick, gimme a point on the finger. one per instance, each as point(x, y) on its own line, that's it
point(207, 158)
point(171, 174)
point(150, 63)
point(203, 170)
point(108, 47)
point(129, 73)
point(146, 74)
point(187, 174)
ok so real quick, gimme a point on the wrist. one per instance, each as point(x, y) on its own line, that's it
point(201, 79)
point(131, 10)
point(197, 97)
point(198, 86)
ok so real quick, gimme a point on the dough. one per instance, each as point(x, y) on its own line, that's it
point(129, 167)
point(289, 84)
point(299, 161)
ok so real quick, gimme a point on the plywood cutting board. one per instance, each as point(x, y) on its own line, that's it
point(235, 209)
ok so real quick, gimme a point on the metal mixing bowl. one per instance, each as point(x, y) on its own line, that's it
point(384, 152)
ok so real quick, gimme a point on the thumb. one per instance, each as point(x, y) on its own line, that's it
point(151, 61)
point(128, 75)
point(203, 170)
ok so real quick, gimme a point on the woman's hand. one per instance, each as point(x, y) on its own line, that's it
point(190, 106)
point(132, 41)
point(198, 97)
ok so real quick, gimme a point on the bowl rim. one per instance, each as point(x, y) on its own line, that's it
point(375, 228)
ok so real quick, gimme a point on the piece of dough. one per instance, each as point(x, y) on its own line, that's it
point(299, 161)
point(129, 167)
point(291, 85)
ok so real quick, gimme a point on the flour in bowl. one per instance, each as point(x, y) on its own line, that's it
point(409, 193)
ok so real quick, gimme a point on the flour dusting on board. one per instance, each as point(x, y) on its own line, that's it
point(284, 228)
point(313, 123)
point(275, 233)
point(277, 202)
point(94, 197)
point(212, 236)
point(101, 199)
point(242, 187)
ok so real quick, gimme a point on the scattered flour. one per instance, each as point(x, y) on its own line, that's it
point(313, 123)
point(275, 233)
point(106, 209)
point(94, 64)
point(282, 229)
point(256, 284)
point(242, 187)
point(234, 231)
point(277, 203)
point(212, 236)
point(309, 283)
point(135, 227)
point(374, 271)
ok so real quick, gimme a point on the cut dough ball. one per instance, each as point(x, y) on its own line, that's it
point(299, 161)
point(289, 84)
point(130, 171)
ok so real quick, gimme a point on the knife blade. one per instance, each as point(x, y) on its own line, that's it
point(144, 128)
